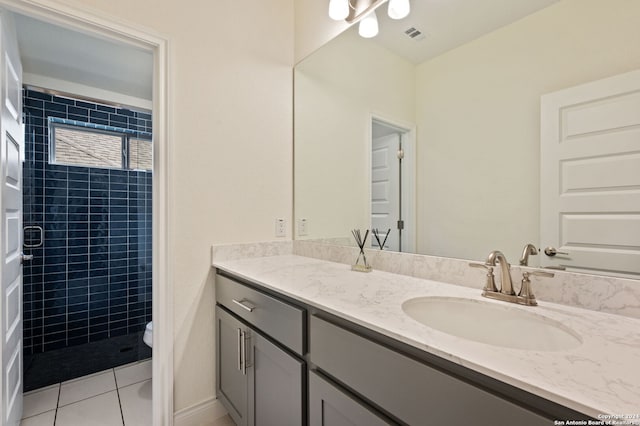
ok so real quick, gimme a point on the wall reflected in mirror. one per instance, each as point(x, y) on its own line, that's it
point(473, 112)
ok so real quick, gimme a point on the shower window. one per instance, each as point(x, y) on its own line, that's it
point(82, 144)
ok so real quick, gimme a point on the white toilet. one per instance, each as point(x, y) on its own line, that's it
point(148, 334)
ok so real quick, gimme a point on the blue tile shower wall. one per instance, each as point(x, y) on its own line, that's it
point(92, 278)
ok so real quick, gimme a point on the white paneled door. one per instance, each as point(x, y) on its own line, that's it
point(590, 176)
point(12, 140)
point(385, 189)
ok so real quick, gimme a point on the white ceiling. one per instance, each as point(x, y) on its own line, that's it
point(55, 52)
point(447, 24)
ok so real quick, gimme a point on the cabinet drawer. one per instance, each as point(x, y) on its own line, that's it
point(278, 319)
point(407, 389)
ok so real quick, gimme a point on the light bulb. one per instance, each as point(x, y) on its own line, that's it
point(338, 9)
point(398, 9)
point(369, 26)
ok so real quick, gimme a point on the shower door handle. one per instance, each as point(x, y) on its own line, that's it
point(33, 242)
point(25, 258)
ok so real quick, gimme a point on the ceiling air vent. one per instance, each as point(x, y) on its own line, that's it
point(414, 34)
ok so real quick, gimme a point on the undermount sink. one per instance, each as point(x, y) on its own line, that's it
point(491, 323)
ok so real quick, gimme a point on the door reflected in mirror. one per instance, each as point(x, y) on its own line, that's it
point(392, 172)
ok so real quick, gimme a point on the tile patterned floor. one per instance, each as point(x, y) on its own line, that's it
point(118, 396)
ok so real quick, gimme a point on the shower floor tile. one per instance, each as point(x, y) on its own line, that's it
point(81, 360)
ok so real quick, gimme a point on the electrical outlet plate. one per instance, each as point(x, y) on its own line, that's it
point(281, 230)
point(303, 227)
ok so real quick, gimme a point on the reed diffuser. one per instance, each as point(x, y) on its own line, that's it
point(364, 266)
point(378, 236)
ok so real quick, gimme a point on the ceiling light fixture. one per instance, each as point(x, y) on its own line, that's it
point(398, 9)
point(353, 11)
point(338, 9)
point(368, 27)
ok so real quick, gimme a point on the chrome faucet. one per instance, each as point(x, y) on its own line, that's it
point(506, 293)
point(529, 250)
point(506, 286)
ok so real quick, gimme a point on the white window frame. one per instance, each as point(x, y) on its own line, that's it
point(124, 134)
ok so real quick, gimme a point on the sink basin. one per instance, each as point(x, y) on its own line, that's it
point(508, 326)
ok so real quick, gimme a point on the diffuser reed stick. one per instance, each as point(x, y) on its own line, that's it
point(376, 233)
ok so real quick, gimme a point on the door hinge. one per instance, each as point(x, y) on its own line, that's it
point(400, 154)
point(401, 224)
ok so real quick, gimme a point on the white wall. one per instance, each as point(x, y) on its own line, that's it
point(313, 27)
point(478, 110)
point(231, 112)
point(333, 111)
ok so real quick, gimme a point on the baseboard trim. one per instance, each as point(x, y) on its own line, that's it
point(201, 414)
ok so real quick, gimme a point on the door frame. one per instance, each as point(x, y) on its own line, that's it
point(408, 190)
point(162, 281)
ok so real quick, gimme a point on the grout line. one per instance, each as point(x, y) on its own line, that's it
point(55, 416)
point(118, 393)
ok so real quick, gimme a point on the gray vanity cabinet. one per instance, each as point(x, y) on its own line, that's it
point(259, 381)
point(281, 363)
point(331, 406)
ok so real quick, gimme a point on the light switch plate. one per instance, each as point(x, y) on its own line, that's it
point(303, 227)
point(281, 230)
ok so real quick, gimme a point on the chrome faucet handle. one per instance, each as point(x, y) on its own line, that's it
point(529, 250)
point(525, 296)
point(490, 284)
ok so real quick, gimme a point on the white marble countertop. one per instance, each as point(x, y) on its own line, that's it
point(600, 377)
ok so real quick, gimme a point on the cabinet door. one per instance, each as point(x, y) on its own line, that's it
point(329, 406)
point(275, 384)
point(232, 379)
